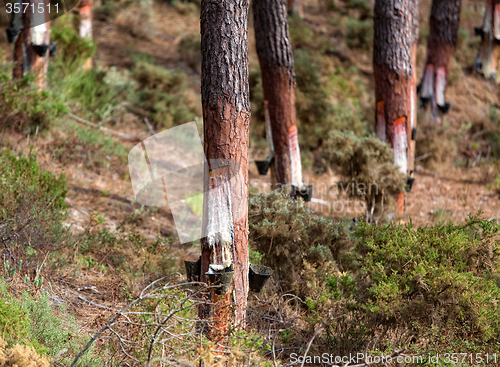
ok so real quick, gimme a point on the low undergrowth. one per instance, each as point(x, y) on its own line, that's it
point(367, 165)
point(25, 109)
point(421, 289)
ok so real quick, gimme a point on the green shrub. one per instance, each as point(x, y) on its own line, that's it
point(72, 50)
point(25, 109)
point(439, 285)
point(359, 33)
point(445, 276)
point(96, 92)
point(32, 320)
point(286, 232)
point(367, 165)
point(31, 203)
point(164, 94)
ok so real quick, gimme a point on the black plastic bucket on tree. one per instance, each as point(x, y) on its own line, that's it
point(193, 270)
point(305, 192)
point(263, 166)
point(258, 275)
point(221, 280)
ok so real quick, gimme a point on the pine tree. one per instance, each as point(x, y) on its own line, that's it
point(487, 57)
point(394, 40)
point(274, 49)
point(444, 22)
point(226, 120)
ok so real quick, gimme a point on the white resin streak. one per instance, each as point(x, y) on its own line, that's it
point(220, 228)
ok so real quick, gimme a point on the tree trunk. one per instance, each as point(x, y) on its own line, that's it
point(85, 25)
point(412, 126)
point(41, 36)
point(394, 35)
point(19, 57)
point(274, 49)
point(444, 23)
point(487, 57)
point(226, 120)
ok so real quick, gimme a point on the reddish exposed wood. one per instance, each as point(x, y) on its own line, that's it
point(274, 49)
point(85, 25)
point(394, 39)
point(41, 63)
point(226, 119)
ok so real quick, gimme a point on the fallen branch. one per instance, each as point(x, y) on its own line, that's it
point(105, 129)
point(423, 156)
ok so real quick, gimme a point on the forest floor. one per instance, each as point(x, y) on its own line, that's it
point(459, 182)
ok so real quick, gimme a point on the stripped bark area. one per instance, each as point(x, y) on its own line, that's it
point(226, 119)
point(25, 57)
point(394, 41)
point(487, 58)
point(274, 49)
point(85, 25)
point(444, 22)
point(41, 36)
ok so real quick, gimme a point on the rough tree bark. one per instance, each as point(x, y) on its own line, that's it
point(394, 22)
point(411, 128)
point(487, 58)
point(226, 120)
point(274, 49)
point(85, 25)
point(444, 23)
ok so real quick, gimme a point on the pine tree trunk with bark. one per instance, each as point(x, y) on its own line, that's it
point(274, 49)
point(226, 120)
point(444, 22)
point(394, 35)
point(487, 58)
point(35, 32)
point(411, 128)
point(41, 36)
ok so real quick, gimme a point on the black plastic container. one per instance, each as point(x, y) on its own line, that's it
point(305, 194)
point(221, 280)
point(258, 275)
point(41, 50)
point(263, 166)
point(193, 270)
point(12, 35)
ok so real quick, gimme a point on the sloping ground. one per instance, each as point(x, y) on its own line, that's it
point(462, 183)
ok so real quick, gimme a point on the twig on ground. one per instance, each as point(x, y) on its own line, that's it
point(105, 129)
point(423, 156)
